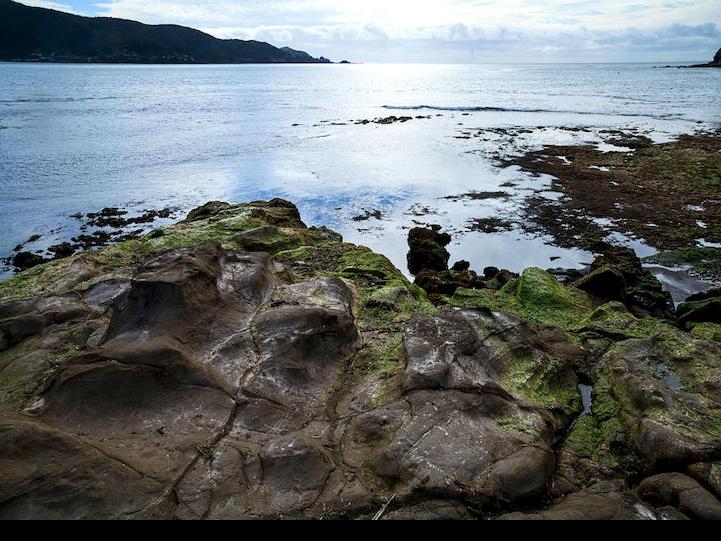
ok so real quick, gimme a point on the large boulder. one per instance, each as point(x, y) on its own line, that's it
point(240, 365)
point(655, 404)
point(603, 501)
point(682, 493)
point(489, 397)
point(701, 308)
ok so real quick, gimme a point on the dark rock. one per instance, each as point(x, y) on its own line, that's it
point(446, 283)
point(48, 474)
point(431, 510)
point(605, 282)
point(705, 307)
point(27, 260)
point(650, 387)
point(367, 215)
point(603, 501)
point(461, 266)
point(708, 474)
point(642, 292)
point(207, 210)
point(705, 295)
point(682, 493)
point(566, 276)
point(427, 250)
point(464, 387)
point(62, 250)
point(504, 276)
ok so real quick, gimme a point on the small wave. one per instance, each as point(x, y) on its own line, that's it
point(58, 100)
point(476, 109)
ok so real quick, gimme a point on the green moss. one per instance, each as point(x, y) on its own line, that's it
point(536, 297)
point(707, 331)
point(538, 288)
point(384, 356)
point(36, 282)
point(361, 260)
point(281, 231)
point(541, 382)
point(379, 361)
point(705, 261)
point(601, 436)
point(30, 368)
point(614, 320)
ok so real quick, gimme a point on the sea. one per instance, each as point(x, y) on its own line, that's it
point(78, 138)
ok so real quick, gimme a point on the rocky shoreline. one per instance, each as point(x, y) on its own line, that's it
point(666, 194)
point(242, 365)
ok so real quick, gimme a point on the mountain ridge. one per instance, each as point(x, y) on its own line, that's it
point(34, 34)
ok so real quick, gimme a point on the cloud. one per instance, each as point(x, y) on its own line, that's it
point(50, 5)
point(451, 30)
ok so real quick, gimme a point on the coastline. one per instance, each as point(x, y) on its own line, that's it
point(312, 355)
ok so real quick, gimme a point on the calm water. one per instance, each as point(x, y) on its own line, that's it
point(80, 138)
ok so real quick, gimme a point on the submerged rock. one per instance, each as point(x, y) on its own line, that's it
point(27, 260)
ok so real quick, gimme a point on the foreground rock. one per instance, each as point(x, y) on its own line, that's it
point(242, 365)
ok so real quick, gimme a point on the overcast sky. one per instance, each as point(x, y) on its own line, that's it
point(445, 30)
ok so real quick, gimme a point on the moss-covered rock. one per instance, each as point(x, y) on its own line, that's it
point(703, 261)
point(536, 297)
point(707, 331)
point(307, 354)
point(606, 282)
point(706, 309)
point(427, 250)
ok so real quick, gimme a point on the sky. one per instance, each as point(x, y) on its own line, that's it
point(445, 31)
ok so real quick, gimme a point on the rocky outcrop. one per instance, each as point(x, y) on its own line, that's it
point(242, 365)
point(618, 275)
point(701, 308)
point(715, 63)
point(428, 250)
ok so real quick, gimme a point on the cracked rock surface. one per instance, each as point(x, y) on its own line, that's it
point(241, 365)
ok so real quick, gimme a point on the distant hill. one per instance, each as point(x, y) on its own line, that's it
point(30, 34)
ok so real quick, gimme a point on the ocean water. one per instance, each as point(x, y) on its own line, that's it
point(77, 138)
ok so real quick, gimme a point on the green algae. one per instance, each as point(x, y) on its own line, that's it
point(536, 297)
point(540, 382)
point(31, 367)
point(707, 331)
point(360, 260)
point(225, 226)
point(704, 261)
point(615, 321)
point(602, 435)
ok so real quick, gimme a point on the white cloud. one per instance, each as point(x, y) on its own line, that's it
point(444, 30)
point(49, 5)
